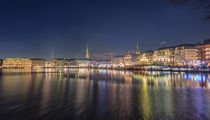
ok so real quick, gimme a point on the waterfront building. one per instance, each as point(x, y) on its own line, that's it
point(203, 52)
point(84, 62)
point(38, 63)
point(48, 63)
point(72, 62)
point(118, 61)
point(186, 55)
point(128, 60)
point(145, 58)
point(58, 62)
point(17, 63)
point(163, 56)
point(104, 63)
point(65, 62)
point(135, 58)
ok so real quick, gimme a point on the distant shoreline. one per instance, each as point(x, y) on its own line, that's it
point(169, 69)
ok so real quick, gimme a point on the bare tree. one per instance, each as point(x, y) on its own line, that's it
point(204, 4)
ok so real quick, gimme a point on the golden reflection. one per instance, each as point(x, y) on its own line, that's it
point(157, 78)
point(13, 84)
point(82, 95)
point(145, 100)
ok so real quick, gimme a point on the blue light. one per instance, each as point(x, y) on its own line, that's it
point(190, 76)
point(101, 83)
point(197, 77)
point(185, 76)
point(204, 78)
point(106, 72)
point(105, 83)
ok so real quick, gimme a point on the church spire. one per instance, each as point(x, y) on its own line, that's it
point(87, 53)
point(137, 46)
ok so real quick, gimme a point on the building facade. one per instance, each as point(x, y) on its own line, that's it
point(38, 63)
point(203, 52)
point(145, 58)
point(128, 62)
point(17, 63)
point(163, 56)
point(186, 55)
point(118, 61)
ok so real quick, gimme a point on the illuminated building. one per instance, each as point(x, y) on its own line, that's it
point(118, 61)
point(48, 64)
point(38, 63)
point(104, 63)
point(145, 58)
point(64, 62)
point(69, 62)
point(58, 62)
point(164, 56)
point(204, 52)
point(72, 62)
point(128, 60)
point(17, 63)
point(186, 55)
point(83, 62)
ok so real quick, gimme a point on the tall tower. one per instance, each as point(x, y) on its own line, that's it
point(87, 53)
point(137, 48)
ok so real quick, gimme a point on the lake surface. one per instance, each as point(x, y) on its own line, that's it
point(95, 94)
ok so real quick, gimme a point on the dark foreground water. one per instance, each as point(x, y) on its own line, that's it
point(82, 94)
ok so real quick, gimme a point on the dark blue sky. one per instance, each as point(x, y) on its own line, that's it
point(31, 28)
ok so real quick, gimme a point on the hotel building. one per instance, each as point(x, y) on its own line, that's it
point(163, 56)
point(203, 52)
point(186, 55)
point(17, 63)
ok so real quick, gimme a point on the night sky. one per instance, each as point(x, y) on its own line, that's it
point(31, 28)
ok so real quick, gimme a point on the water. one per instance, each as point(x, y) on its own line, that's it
point(82, 94)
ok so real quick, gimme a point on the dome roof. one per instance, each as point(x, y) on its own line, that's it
point(207, 41)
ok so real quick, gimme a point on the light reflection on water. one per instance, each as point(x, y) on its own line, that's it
point(103, 94)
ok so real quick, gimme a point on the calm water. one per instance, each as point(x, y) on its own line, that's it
point(82, 94)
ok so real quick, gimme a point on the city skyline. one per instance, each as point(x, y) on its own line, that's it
point(105, 59)
point(33, 28)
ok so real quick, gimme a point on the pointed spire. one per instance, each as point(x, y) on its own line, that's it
point(137, 48)
point(87, 53)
